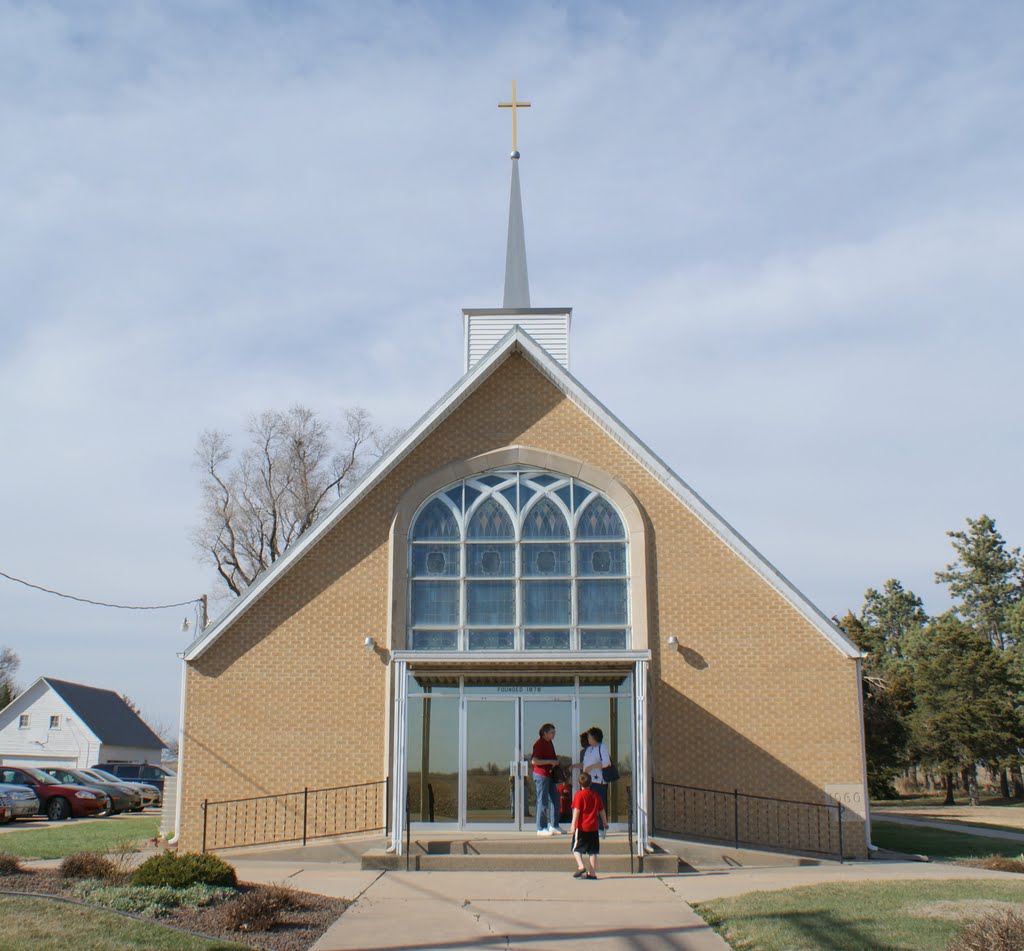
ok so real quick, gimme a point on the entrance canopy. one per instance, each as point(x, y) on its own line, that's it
point(463, 738)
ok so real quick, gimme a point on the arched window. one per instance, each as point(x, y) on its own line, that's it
point(518, 560)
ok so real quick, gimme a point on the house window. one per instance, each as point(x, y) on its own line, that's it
point(54, 723)
point(518, 560)
point(23, 722)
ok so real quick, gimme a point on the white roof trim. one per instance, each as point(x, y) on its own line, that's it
point(518, 340)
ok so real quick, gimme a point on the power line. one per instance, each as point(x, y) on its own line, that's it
point(102, 604)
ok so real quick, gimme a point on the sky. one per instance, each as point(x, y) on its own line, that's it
point(791, 233)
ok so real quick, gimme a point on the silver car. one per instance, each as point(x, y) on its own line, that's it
point(151, 796)
point(24, 802)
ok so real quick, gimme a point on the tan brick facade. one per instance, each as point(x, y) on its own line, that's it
point(754, 698)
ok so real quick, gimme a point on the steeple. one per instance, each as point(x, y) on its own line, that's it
point(548, 326)
point(517, 281)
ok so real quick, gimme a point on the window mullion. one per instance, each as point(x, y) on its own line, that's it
point(517, 567)
point(574, 630)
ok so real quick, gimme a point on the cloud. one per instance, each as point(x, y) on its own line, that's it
point(789, 232)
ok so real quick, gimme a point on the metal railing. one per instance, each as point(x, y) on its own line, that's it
point(629, 827)
point(295, 816)
point(744, 819)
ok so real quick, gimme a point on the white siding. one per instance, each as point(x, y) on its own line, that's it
point(485, 330)
point(130, 754)
point(70, 744)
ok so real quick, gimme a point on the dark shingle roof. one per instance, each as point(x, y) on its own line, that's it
point(106, 714)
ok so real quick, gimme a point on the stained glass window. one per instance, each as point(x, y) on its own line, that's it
point(518, 560)
point(436, 521)
point(491, 560)
point(490, 520)
point(600, 520)
point(545, 520)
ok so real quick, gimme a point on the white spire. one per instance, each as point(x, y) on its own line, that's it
point(548, 327)
point(517, 281)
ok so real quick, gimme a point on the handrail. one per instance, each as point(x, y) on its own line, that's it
point(297, 792)
point(761, 821)
point(294, 816)
point(730, 792)
point(407, 830)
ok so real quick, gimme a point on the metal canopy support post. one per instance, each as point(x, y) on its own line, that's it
point(399, 787)
point(641, 790)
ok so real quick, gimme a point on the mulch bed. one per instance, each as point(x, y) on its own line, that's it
point(297, 930)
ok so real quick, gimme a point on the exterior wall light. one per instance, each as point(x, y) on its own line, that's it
point(672, 640)
point(369, 644)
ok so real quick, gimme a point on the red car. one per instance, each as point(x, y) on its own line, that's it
point(57, 800)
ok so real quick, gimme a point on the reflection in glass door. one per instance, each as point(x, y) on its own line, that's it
point(469, 738)
point(534, 715)
point(491, 761)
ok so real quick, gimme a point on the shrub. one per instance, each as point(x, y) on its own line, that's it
point(88, 865)
point(9, 864)
point(122, 855)
point(149, 900)
point(250, 912)
point(186, 868)
point(998, 863)
point(283, 897)
point(999, 931)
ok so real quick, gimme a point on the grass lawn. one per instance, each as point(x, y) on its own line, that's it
point(41, 924)
point(103, 835)
point(876, 916)
point(939, 843)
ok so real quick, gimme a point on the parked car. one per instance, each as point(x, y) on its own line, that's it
point(152, 773)
point(151, 796)
point(122, 798)
point(57, 800)
point(24, 802)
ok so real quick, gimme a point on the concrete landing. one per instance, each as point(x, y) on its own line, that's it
point(512, 855)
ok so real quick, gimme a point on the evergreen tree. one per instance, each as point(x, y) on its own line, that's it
point(964, 700)
point(887, 621)
point(986, 581)
point(987, 585)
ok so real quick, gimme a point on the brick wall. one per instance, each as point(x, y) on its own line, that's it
point(754, 698)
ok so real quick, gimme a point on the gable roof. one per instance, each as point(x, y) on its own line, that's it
point(519, 341)
point(106, 714)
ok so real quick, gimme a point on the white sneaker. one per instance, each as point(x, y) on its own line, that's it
point(544, 832)
point(555, 830)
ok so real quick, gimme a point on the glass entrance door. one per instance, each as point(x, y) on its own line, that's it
point(491, 762)
point(534, 714)
point(467, 739)
point(497, 774)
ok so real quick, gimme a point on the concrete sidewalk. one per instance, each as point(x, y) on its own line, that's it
point(883, 815)
point(430, 911)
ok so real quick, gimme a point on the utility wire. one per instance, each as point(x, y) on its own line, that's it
point(102, 604)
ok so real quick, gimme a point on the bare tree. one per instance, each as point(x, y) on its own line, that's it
point(256, 504)
point(9, 663)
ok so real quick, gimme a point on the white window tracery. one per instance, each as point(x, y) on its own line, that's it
point(518, 560)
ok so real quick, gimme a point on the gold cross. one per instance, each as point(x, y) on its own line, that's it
point(513, 105)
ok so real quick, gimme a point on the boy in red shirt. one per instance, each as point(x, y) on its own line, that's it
point(587, 817)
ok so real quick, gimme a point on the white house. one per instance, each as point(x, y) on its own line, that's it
point(54, 723)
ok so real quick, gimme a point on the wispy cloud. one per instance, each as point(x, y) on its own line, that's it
point(790, 232)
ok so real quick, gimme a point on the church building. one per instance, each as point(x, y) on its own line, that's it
point(520, 558)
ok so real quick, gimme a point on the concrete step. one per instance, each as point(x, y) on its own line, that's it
point(533, 845)
point(658, 863)
point(518, 852)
